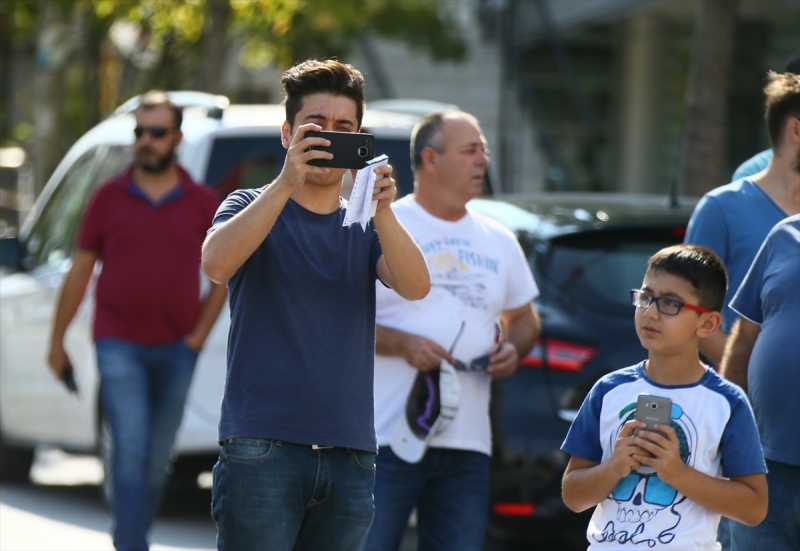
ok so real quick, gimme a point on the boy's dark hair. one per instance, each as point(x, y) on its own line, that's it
point(697, 265)
point(783, 102)
point(327, 77)
point(157, 98)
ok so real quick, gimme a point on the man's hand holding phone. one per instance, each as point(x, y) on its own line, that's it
point(296, 168)
point(61, 366)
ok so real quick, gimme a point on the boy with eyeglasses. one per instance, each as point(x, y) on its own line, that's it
point(667, 492)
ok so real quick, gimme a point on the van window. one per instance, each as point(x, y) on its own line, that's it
point(245, 162)
point(53, 235)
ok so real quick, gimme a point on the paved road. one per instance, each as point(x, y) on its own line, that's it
point(62, 510)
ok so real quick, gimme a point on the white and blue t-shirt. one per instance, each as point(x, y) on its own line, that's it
point(718, 437)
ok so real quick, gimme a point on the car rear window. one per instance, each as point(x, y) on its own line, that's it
point(597, 269)
point(254, 161)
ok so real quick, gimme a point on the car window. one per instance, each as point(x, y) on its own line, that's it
point(598, 269)
point(53, 235)
point(399, 154)
point(246, 162)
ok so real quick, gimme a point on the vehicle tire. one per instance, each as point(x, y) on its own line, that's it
point(15, 463)
point(188, 468)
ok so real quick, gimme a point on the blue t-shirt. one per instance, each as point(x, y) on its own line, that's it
point(717, 435)
point(770, 297)
point(753, 165)
point(302, 339)
point(733, 221)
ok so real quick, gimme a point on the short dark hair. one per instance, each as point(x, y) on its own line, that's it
point(783, 102)
point(158, 98)
point(697, 265)
point(328, 77)
point(427, 133)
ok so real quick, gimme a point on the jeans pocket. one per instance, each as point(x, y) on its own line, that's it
point(365, 461)
point(247, 450)
point(187, 348)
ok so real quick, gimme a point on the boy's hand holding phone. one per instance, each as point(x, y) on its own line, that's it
point(627, 454)
point(664, 453)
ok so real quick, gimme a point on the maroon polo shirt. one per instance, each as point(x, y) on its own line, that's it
point(148, 291)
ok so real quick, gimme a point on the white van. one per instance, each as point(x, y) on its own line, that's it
point(226, 147)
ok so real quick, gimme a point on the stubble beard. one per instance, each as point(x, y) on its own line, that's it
point(155, 167)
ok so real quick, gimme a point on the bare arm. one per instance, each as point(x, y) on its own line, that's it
point(586, 483)
point(742, 498)
point(713, 346)
point(737, 353)
point(522, 329)
point(402, 266)
point(209, 311)
point(231, 244)
point(69, 299)
point(420, 352)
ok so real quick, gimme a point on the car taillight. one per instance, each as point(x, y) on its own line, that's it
point(562, 355)
point(514, 509)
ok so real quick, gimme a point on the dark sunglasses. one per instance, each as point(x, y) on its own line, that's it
point(154, 131)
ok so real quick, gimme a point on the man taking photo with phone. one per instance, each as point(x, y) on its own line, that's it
point(297, 465)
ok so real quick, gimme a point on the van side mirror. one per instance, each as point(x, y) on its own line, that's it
point(10, 252)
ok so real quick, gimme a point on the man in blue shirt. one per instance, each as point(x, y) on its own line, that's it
point(733, 220)
point(297, 466)
point(763, 357)
point(760, 161)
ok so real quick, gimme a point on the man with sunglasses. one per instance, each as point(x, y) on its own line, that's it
point(146, 226)
point(664, 488)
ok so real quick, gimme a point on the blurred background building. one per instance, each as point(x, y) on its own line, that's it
point(573, 95)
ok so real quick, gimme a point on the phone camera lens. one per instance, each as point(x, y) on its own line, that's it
point(363, 151)
point(653, 406)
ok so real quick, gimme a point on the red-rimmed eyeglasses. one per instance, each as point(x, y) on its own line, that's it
point(665, 305)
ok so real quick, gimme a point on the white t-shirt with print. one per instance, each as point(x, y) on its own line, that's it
point(718, 437)
point(477, 270)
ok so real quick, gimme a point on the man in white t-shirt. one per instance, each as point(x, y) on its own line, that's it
point(480, 281)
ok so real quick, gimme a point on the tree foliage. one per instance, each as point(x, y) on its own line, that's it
point(175, 48)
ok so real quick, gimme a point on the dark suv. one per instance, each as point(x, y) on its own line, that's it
point(587, 251)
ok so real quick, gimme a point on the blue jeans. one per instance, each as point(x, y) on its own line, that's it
point(270, 495)
point(143, 390)
point(780, 531)
point(450, 489)
point(724, 533)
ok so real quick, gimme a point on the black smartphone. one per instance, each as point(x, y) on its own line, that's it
point(350, 149)
point(68, 378)
point(653, 410)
